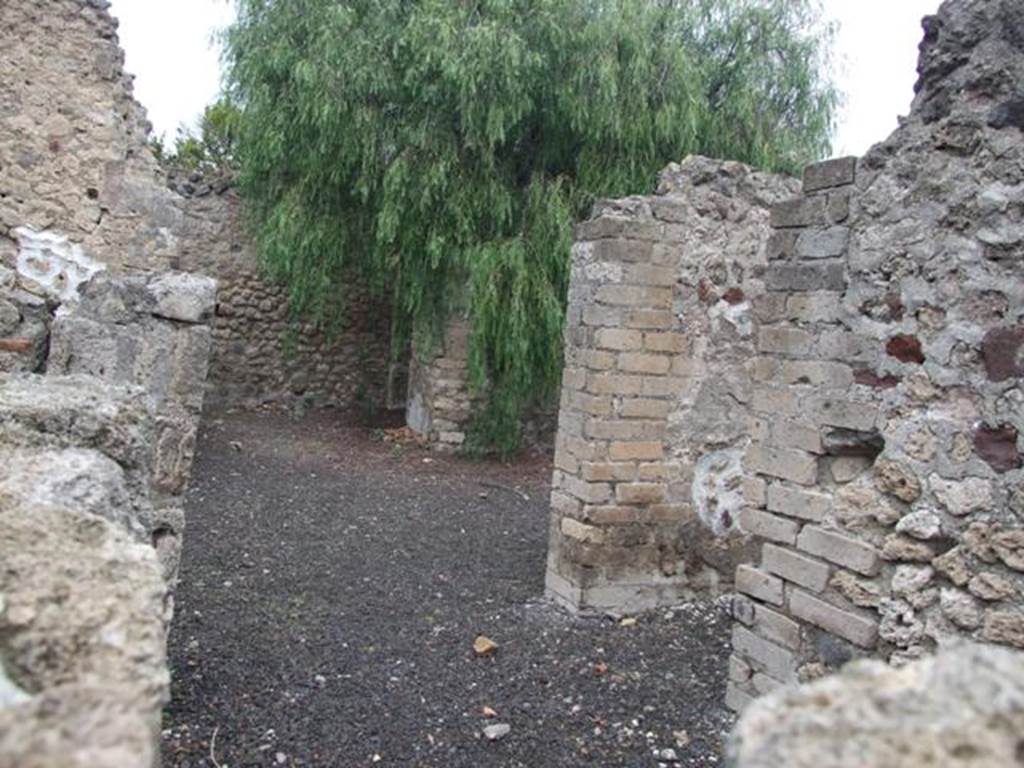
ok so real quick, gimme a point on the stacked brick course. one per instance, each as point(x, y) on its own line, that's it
point(871, 445)
point(647, 486)
point(887, 451)
point(439, 407)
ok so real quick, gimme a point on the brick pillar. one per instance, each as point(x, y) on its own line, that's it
point(614, 512)
point(439, 405)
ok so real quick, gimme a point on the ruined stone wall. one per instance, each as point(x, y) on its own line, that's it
point(963, 707)
point(96, 456)
point(648, 492)
point(838, 379)
point(259, 354)
point(894, 522)
point(81, 192)
point(73, 157)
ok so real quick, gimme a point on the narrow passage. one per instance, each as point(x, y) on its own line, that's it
point(333, 585)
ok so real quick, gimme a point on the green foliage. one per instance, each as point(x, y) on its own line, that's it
point(211, 149)
point(442, 149)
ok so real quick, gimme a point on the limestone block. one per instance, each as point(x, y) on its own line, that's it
point(836, 172)
point(182, 296)
point(98, 664)
point(778, 662)
point(792, 566)
point(963, 707)
point(846, 624)
point(840, 549)
point(759, 584)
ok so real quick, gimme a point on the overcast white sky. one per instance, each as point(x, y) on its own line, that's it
point(168, 48)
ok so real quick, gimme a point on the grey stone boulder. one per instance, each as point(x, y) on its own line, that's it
point(82, 634)
point(77, 478)
point(183, 296)
point(80, 412)
point(964, 707)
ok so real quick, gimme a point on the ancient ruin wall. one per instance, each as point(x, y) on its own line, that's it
point(873, 354)
point(74, 169)
point(259, 353)
point(96, 457)
point(648, 493)
point(81, 192)
point(898, 525)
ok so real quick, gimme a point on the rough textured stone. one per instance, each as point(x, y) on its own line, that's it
point(96, 667)
point(964, 707)
point(656, 395)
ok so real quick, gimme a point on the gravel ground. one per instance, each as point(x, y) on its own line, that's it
point(333, 585)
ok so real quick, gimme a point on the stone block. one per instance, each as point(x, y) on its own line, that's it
point(182, 296)
point(645, 297)
point(618, 339)
point(814, 307)
point(640, 493)
point(756, 583)
point(848, 625)
point(776, 627)
point(795, 567)
point(784, 463)
point(764, 655)
point(806, 276)
point(645, 408)
point(649, 274)
point(607, 472)
point(785, 340)
point(598, 316)
point(736, 698)
point(664, 386)
point(650, 319)
point(665, 342)
point(823, 243)
point(787, 433)
point(774, 401)
point(798, 212)
point(768, 526)
point(840, 412)
point(838, 172)
point(739, 670)
point(614, 384)
point(636, 451)
point(794, 502)
point(588, 534)
point(840, 549)
point(657, 365)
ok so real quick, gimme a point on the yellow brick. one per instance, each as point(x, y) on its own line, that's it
point(644, 408)
point(607, 471)
point(618, 339)
point(665, 342)
point(581, 532)
point(640, 493)
point(614, 384)
point(636, 451)
point(632, 362)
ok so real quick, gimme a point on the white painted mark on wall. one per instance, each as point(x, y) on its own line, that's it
point(51, 262)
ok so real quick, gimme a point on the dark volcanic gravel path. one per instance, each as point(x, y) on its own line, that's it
point(333, 585)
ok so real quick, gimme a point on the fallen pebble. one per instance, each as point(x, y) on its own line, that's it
point(484, 646)
point(497, 731)
point(668, 756)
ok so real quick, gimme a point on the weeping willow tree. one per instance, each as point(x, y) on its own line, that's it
point(442, 149)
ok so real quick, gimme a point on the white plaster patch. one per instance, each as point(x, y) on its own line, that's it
point(718, 489)
point(736, 315)
point(52, 263)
